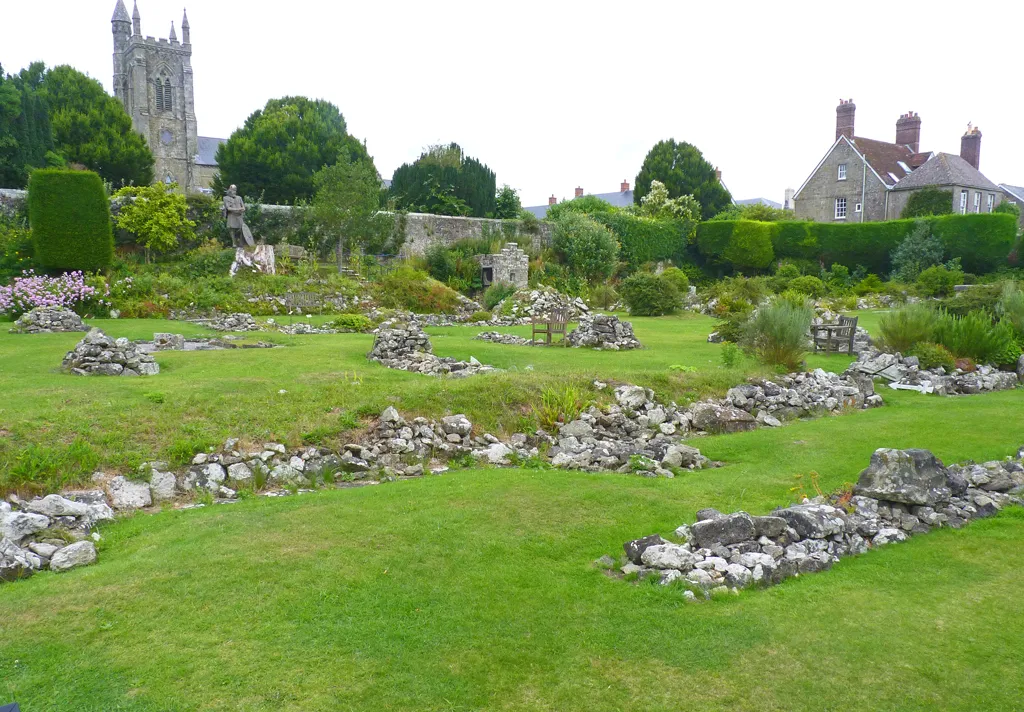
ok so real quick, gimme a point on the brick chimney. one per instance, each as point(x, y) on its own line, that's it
point(908, 131)
point(624, 187)
point(844, 118)
point(579, 192)
point(970, 146)
point(552, 200)
point(718, 175)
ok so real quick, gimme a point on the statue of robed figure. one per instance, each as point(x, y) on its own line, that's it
point(258, 257)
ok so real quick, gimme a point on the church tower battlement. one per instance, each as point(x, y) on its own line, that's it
point(153, 79)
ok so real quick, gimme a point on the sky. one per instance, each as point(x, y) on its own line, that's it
point(557, 95)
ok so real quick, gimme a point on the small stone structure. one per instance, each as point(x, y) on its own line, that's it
point(603, 331)
point(177, 342)
point(168, 342)
point(238, 321)
point(901, 493)
point(904, 373)
point(510, 266)
point(526, 304)
point(46, 320)
point(34, 536)
point(98, 354)
point(496, 337)
point(407, 348)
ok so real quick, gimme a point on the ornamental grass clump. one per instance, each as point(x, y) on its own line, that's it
point(975, 337)
point(31, 290)
point(904, 328)
point(777, 333)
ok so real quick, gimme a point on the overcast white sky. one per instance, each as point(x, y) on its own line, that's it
point(554, 95)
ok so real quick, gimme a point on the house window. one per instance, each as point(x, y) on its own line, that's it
point(857, 208)
point(991, 201)
point(840, 208)
point(977, 201)
point(963, 202)
point(842, 171)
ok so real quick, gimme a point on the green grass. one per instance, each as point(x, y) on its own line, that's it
point(201, 398)
point(474, 590)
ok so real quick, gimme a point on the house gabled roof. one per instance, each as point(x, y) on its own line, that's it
point(758, 201)
point(889, 160)
point(944, 169)
point(887, 182)
point(1014, 191)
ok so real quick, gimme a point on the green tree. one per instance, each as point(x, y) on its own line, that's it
point(506, 203)
point(587, 247)
point(346, 207)
point(928, 201)
point(444, 181)
point(918, 251)
point(683, 170)
point(1009, 207)
point(92, 128)
point(281, 146)
point(156, 215)
point(26, 141)
point(586, 204)
point(755, 211)
point(657, 204)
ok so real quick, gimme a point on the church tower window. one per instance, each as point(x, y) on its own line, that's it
point(159, 95)
point(168, 101)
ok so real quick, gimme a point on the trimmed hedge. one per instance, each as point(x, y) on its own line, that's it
point(645, 239)
point(982, 242)
point(70, 218)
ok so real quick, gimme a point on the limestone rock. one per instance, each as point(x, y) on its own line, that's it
point(18, 525)
point(46, 320)
point(98, 354)
point(81, 553)
point(125, 494)
point(603, 331)
point(635, 549)
point(908, 476)
point(668, 556)
point(814, 521)
point(724, 530)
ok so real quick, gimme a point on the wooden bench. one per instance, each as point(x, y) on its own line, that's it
point(550, 325)
point(832, 336)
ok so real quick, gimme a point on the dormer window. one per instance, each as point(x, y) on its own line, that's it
point(842, 171)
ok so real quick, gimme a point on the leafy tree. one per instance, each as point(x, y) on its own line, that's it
point(1009, 207)
point(588, 248)
point(649, 294)
point(506, 203)
point(918, 251)
point(585, 204)
point(683, 170)
point(92, 128)
point(444, 181)
point(657, 204)
point(755, 211)
point(928, 201)
point(281, 146)
point(156, 215)
point(346, 206)
point(25, 137)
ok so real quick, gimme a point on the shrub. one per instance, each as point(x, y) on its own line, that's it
point(872, 284)
point(480, 316)
point(809, 285)
point(750, 246)
point(919, 251)
point(647, 239)
point(68, 291)
point(351, 322)
point(207, 260)
point(649, 294)
point(603, 296)
point(938, 281)
point(440, 263)
point(15, 249)
point(588, 248)
point(933, 355)
point(730, 354)
point(496, 292)
point(904, 328)
point(677, 277)
point(777, 333)
point(982, 297)
point(70, 218)
point(408, 288)
point(975, 337)
point(1011, 308)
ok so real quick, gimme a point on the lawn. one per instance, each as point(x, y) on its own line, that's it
point(475, 589)
point(56, 429)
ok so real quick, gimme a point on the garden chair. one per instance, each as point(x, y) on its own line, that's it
point(832, 336)
point(550, 325)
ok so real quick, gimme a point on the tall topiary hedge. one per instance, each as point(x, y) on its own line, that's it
point(645, 239)
point(750, 246)
point(70, 218)
point(982, 242)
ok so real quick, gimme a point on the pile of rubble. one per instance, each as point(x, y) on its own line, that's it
point(904, 373)
point(301, 327)
point(98, 354)
point(603, 331)
point(901, 493)
point(51, 532)
point(239, 321)
point(407, 347)
point(522, 306)
point(177, 342)
point(496, 337)
point(799, 395)
point(47, 320)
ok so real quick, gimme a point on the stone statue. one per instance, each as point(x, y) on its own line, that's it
point(234, 212)
point(258, 258)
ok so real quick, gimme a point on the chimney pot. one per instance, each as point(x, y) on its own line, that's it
point(908, 131)
point(718, 175)
point(552, 200)
point(624, 186)
point(970, 146)
point(844, 118)
point(579, 192)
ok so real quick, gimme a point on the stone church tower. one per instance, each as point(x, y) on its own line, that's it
point(153, 79)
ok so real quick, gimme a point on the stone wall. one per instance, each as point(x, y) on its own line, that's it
point(422, 231)
point(816, 200)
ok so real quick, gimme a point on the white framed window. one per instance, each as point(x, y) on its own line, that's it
point(991, 201)
point(840, 208)
point(857, 208)
point(977, 201)
point(963, 202)
point(842, 171)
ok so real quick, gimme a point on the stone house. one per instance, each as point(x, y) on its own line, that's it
point(1014, 194)
point(861, 179)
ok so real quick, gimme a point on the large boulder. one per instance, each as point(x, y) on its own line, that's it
point(909, 476)
point(668, 556)
point(18, 525)
point(80, 553)
point(726, 529)
point(125, 494)
point(714, 418)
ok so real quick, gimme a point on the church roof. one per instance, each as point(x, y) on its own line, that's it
point(120, 13)
point(206, 155)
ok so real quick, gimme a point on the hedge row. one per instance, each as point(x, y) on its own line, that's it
point(643, 239)
point(70, 218)
point(982, 242)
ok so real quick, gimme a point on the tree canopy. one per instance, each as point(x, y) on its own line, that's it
point(156, 215)
point(92, 128)
point(683, 170)
point(507, 205)
point(279, 148)
point(444, 181)
point(928, 201)
point(26, 141)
